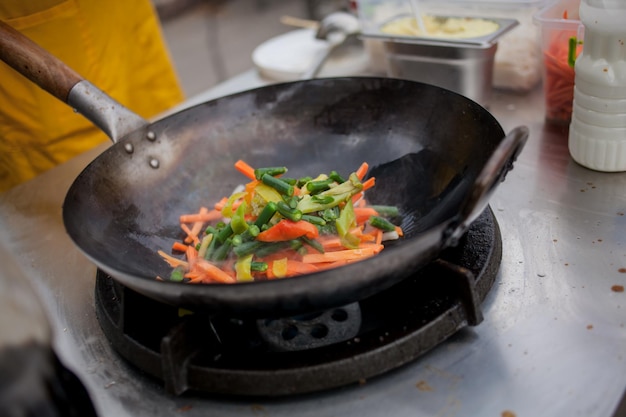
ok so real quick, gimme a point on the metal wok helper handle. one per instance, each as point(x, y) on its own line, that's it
point(55, 77)
point(493, 173)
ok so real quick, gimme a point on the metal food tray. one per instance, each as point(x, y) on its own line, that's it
point(504, 26)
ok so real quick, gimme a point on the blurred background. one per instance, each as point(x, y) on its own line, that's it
point(213, 40)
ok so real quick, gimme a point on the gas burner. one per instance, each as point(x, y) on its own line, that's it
point(306, 353)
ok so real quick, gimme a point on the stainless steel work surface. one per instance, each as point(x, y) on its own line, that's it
point(552, 342)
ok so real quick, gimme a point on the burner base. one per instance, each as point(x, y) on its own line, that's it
point(229, 355)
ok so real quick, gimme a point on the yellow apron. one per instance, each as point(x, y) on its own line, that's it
point(115, 44)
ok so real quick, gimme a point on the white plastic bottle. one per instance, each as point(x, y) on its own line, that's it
point(597, 135)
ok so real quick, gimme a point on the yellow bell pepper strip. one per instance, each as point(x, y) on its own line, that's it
point(243, 268)
point(279, 268)
point(268, 193)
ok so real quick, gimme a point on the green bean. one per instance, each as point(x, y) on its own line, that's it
point(211, 249)
point(318, 186)
point(288, 212)
point(221, 252)
point(258, 266)
point(237, 240)
point(271, 171)
point(269, 248)
point(387, 211)
point(302, 181)
point(292, 201)
point(266, 214)
point(278, 184)
point(316, 220)
point(382, 224)
point(224, 233)
point(247, 248)
point(334, 175)
point(290, 181)
point(313, 243)
point(178, 274)
point(252, 232)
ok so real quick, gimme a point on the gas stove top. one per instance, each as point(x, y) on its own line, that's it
point(275, 356)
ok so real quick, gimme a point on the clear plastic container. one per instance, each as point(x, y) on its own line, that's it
point(559, 24)
point(517, 62)
point(597, 135)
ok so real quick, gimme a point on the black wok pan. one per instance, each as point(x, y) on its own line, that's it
point(435, 154)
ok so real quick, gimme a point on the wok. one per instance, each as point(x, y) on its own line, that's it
point(437, 155)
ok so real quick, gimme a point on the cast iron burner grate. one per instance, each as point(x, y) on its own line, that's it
point(307, 353)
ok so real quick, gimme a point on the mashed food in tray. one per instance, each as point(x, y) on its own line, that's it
point(441, 27)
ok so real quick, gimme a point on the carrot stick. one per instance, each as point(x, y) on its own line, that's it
point(559, 80)
point(250, 190)
point(179, 247)
point(213, 273)
point(298, 268)
point(208, 216)
point(192, 256)
point(245, 169)
point(330, 243)
point(189, 238)
point(192, 236)
point(221, 204)
point(172, 261)
point(369, 183)
point(379, 236)
point(331, 265)
point(364, 213)
point(362, 170)
point(348, 255)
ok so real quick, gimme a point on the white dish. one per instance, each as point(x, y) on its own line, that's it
point(287, 56)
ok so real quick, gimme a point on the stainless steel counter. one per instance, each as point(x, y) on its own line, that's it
point(553, 341)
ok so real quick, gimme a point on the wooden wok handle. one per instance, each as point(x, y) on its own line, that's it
point(36, 64)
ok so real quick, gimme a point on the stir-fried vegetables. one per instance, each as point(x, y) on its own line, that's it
point(277, 227)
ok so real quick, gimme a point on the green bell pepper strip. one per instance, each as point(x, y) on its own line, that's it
point(345, 223)
point(238, 222)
